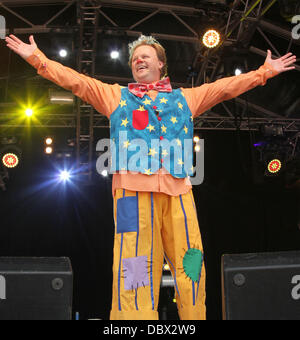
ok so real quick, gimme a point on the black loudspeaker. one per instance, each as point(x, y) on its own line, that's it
point(35, 288)
point(263, 286)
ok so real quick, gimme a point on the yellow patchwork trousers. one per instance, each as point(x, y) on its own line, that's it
point(148, 228)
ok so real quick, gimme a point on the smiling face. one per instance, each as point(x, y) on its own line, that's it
point(145, 65)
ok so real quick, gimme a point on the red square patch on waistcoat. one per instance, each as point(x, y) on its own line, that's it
point(140, 119)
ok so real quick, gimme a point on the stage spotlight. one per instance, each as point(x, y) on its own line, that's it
point(29, 112)
point(10, 153)
point(64, 175)
point(272, 130)
point(63, 53)
point(274, 166)
point(48, 141)
point(238, 71)
point(48, 150)
point(10, 160)
point(197, 148)
point(211, 39)
point(48, 145)
point(115, 55)
point(166, 267)
point(196, 139)
point(60, 97)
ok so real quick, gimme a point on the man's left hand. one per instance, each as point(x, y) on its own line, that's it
point(282, 64)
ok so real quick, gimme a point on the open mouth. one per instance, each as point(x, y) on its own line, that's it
point(141, 68)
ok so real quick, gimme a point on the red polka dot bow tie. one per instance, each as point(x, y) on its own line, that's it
point(140, 90)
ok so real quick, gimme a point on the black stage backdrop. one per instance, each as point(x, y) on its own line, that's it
point(41, 218)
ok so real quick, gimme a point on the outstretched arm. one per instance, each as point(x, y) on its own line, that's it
point(204, 97)
point(104, 97)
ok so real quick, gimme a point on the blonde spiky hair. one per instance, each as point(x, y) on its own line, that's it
point(150, 41)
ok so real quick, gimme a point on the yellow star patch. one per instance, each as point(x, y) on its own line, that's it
point(150, 128)
point(148, 172)
point(123, 103)
point(126, 144)
point(164, 129)
point(178, 142)
point(164, 153)
point(152, 152)
point(163, 100)
point(180, 106)
point(147, 101)
point(124, 122)
point(173, 120)
point(185, 129)
point(141, 108)
point(180, 162)
point(192, 118)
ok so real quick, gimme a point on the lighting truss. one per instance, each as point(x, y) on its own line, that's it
point(88, 18)
point(243, 19)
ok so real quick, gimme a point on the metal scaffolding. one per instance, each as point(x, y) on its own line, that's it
point(88, 22)
point(243, 20)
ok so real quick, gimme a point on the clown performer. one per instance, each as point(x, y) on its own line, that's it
point(154, 209)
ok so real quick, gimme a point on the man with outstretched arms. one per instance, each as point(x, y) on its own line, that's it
point(154, 209)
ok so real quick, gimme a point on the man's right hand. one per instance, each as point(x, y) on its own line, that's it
point(17, 45)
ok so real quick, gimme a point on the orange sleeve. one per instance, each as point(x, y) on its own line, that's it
point(202, 98)
point(105, 98)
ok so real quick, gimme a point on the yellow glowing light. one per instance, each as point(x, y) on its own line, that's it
point(197, 148)
point(274, 166)
point(29, 112)
point(49, 141)
point(196, 139)
point(166, 267)
point(30, 109)
point(10, 160)
point(211, 39)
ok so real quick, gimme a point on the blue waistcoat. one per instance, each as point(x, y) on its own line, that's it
point(147, 135)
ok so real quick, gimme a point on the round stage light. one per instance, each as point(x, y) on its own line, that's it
point(114, 55)
point(238, 71)
point(49, 141)
point(274, 166)
point(166, 266)
point(29, 112)
point(64, 175)
point(63, 53)
point(10, 160)
point(48, 150)
point(211, 39)
point(197, 148)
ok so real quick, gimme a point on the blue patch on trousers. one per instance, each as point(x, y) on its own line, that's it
point(127, 214)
